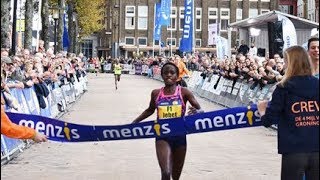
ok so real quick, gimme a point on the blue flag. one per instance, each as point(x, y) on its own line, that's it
point(157, 25)
point(186, 43)
point(65, 33)
point(165, 12)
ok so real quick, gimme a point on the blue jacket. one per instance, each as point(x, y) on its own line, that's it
point(295, 108)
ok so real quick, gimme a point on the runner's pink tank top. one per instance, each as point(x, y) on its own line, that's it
point(170, 106)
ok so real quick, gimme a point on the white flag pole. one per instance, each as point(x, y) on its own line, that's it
point(171, 29)
point(154, 28)
point(171, 40)
point(38, 26)
point(194, 28)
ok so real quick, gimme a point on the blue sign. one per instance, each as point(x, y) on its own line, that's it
point(65, 33)
point(157, 25)
point(186, 43)
point(165, 12)
point(56, 130)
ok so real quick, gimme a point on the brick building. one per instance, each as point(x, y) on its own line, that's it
point(288, 6)
point(129, 24)
point(308, 9)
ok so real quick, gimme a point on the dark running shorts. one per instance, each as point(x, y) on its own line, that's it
point(174, 141)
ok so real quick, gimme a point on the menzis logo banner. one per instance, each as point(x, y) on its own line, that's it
point(57, 130)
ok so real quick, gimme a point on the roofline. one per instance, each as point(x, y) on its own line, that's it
point(276, 12)
point(299, 18)
point(239, 22)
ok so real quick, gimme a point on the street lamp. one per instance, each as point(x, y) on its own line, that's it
point(55, 16)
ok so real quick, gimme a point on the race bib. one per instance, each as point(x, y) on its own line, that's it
point(166, 112)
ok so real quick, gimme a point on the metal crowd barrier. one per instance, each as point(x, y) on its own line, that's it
point(57, 102)
point(223, 92)
point(139, 68)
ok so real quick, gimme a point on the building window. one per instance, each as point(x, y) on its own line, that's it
point(143, 17)
point(181, 18)
point(156, 42)
point(212, 15)
point(286, 9)
point(198, 19)
point(142, 41)
point(130, 17)
point(224, 20)
point(171, 41)
point(198, 42)
point(173, 19)
point(129, 41)
point(253, 13)
point(239, 14)
point(86, 47)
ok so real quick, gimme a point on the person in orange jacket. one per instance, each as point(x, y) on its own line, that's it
point(12, 130)
point(183, 71)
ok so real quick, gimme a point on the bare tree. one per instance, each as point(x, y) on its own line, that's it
point(5, 23)
point(71, 26)
point(28, 24)
point(60, 26)
point(45, 23)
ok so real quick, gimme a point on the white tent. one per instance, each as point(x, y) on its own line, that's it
point(303, 28)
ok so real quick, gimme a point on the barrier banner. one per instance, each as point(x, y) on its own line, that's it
point(145, 69)
point(156, 70)
point(138, 68)
point(107, 67)
point(56, 130)
point(127, 67)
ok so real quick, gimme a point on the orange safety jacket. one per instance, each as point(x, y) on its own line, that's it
point(12, 130)
point(182, 70)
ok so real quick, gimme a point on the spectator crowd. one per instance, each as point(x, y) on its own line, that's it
point(39, 70)
point(246, 65)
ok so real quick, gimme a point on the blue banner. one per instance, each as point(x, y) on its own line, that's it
point(65, 33)
point(157, 25)
point(186, 43)
point(165, 12)
point(56, 130)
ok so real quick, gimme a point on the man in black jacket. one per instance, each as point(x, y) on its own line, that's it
point(243, 49)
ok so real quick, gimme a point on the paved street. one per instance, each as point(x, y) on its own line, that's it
point(245, 154)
